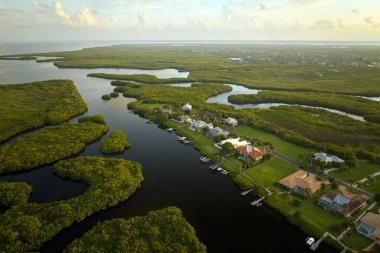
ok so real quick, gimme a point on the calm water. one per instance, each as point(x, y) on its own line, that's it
point(223, 219)
point(238, 89)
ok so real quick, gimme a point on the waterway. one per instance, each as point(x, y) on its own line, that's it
point(223, 219)
point(238, 89)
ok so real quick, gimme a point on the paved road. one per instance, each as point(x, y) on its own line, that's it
point(314, 171)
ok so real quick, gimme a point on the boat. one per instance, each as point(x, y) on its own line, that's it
point(214, 166)
point(224, 172)
point(180, 138)
point(219, 169)
point(309, 241)
point(170, 129)
point(149, 122)
point(204, 159)
point(186, 141)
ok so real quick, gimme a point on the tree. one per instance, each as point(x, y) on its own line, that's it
point(228, 148)
point(377, 197)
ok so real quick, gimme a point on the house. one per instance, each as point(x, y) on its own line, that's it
point(327, 158)
point(199, 125)
point(235, 142)
point(300, 182)
point(187, 107)
point(253, 152)
point(369, 226)
point(164, 111)
point(341, 204)
point(184, 119)
point(231, 121)
point(217, 131)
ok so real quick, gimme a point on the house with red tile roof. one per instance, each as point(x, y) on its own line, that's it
point(253, 152)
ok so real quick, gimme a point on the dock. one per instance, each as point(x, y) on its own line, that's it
point(257, 202)
point(246, 192)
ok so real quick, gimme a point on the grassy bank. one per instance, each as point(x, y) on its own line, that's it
point(31, 105)
point(25, 228)
point(163, 230)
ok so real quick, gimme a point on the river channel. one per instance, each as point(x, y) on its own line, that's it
point(223, 219)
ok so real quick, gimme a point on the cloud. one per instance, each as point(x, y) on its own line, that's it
point(371, 22)
point(355, 11)
point(144, 19)
point(324, 24)
point(62, 15)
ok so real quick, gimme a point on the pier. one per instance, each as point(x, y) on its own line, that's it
point(246, 192)
point(257, 202)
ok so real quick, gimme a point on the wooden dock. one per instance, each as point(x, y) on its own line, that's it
point(246, 192)
point(257, 202)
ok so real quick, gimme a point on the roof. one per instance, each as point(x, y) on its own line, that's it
point(217, 131)
point(230, 120)
point(252, 151)
point(187, 106)
point(372, 219)
point(235, 142)
point(327, 158)
point(347, 204)
point(302, 179)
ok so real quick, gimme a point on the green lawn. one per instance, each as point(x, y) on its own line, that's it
point(362, 170)
point(270, 172)
point(289, 149)
point(374, 186)
point(356, 240)
point(198, 139)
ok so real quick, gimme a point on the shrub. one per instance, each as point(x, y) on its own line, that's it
point(114, 94)
point(94, 118)
point(106, 97)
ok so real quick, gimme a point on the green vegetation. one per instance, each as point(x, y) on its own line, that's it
point(274, 67)
point(141, 78)
point(114, 94)
point(93, 118)
point(116, 142)
point(106, 97)
point(369, 109)
point(31, 105)
point(159, 231)
point(48, 145)
point(14, 193)
point(171, 94)
point(111, 181)
point(286, 148)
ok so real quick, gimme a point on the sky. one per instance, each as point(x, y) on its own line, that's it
point(57, 20)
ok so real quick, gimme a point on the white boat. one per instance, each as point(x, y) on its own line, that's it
point(181, 138)
point(204, 159)
point(186, 141)
point(214, 166)
point(219, 169)
point(170, 129)
point(224, 172)
point(309, 241)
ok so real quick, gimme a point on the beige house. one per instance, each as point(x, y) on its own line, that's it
point(369, 226)
point(300, 181)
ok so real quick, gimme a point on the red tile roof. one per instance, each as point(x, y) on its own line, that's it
point(252, 151)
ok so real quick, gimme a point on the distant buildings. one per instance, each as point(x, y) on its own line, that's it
point(217, 131)
point(187, 107)
point(199, 125)
point(301, 182)
point(235, 142)
point(231, 121)
point(369, 226)
point(327, 158)
point(184, 119)
point(343, 205)
point(252, 152)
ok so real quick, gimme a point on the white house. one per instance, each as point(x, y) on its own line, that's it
point(235, 142)
point(323, 157)
point(231, 121)
point(187, 107)
point(199, 125)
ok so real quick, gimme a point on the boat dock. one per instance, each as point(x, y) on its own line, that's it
point(257, 202)
point(246, 192)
